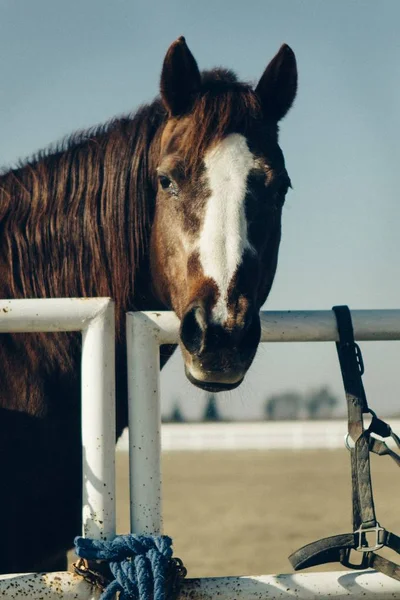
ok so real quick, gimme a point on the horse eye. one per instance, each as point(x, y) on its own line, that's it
point(165, 182)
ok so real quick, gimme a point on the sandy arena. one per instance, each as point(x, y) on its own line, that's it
point(243, 513)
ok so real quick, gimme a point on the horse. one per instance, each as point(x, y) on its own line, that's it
point(175, 207)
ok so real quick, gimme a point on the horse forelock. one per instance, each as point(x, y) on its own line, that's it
point(222, 106)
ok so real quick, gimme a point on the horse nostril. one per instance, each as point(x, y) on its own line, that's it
point(193, 330)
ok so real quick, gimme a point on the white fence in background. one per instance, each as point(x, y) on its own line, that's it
point(145, 333)
point(270, 435)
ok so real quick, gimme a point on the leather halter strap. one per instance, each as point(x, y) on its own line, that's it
point(367, 536)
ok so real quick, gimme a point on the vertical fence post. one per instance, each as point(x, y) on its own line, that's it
point(144, 424)
point(98, 425)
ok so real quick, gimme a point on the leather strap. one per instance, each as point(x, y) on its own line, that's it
point(336, 548)
point(323, 551)
point(385, 566)
point(352, 368)
point(367, 535)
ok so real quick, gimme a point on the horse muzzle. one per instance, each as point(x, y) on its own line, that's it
point(216, 357)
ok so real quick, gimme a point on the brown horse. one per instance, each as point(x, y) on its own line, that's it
point(176, 207)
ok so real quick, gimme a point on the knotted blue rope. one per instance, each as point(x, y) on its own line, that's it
point(142, 566)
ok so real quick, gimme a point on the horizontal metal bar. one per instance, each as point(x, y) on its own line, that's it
point(320, 325)
point(50, 314)
point(163, 326)
point(292, 326)
point(341, 585)
point(61, 585)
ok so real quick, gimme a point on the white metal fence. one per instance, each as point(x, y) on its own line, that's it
point(145, 333)
point(94, 317)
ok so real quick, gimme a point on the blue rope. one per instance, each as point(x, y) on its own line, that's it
point(142, 566)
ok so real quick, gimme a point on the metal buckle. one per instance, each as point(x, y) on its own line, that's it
point(363, 545)
point(348, 442)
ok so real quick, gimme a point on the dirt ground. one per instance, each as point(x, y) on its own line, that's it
point(243, 513)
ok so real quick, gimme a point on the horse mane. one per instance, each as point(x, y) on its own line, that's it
point(75, 221)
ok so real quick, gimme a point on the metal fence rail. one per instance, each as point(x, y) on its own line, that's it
point(145, 333)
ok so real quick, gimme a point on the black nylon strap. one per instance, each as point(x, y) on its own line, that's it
point(380, 427)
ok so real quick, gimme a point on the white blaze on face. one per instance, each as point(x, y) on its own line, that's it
point(223, 238)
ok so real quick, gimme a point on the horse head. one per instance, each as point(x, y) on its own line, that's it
point(221, 185)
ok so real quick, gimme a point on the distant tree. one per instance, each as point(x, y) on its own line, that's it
point(211, 412)
point(176, 414)
point(286, 406)
point(321, 403)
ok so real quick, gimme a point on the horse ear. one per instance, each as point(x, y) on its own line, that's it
point(278, 84)
point(180, 78)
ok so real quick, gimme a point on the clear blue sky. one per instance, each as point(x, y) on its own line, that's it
point(69, 65)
